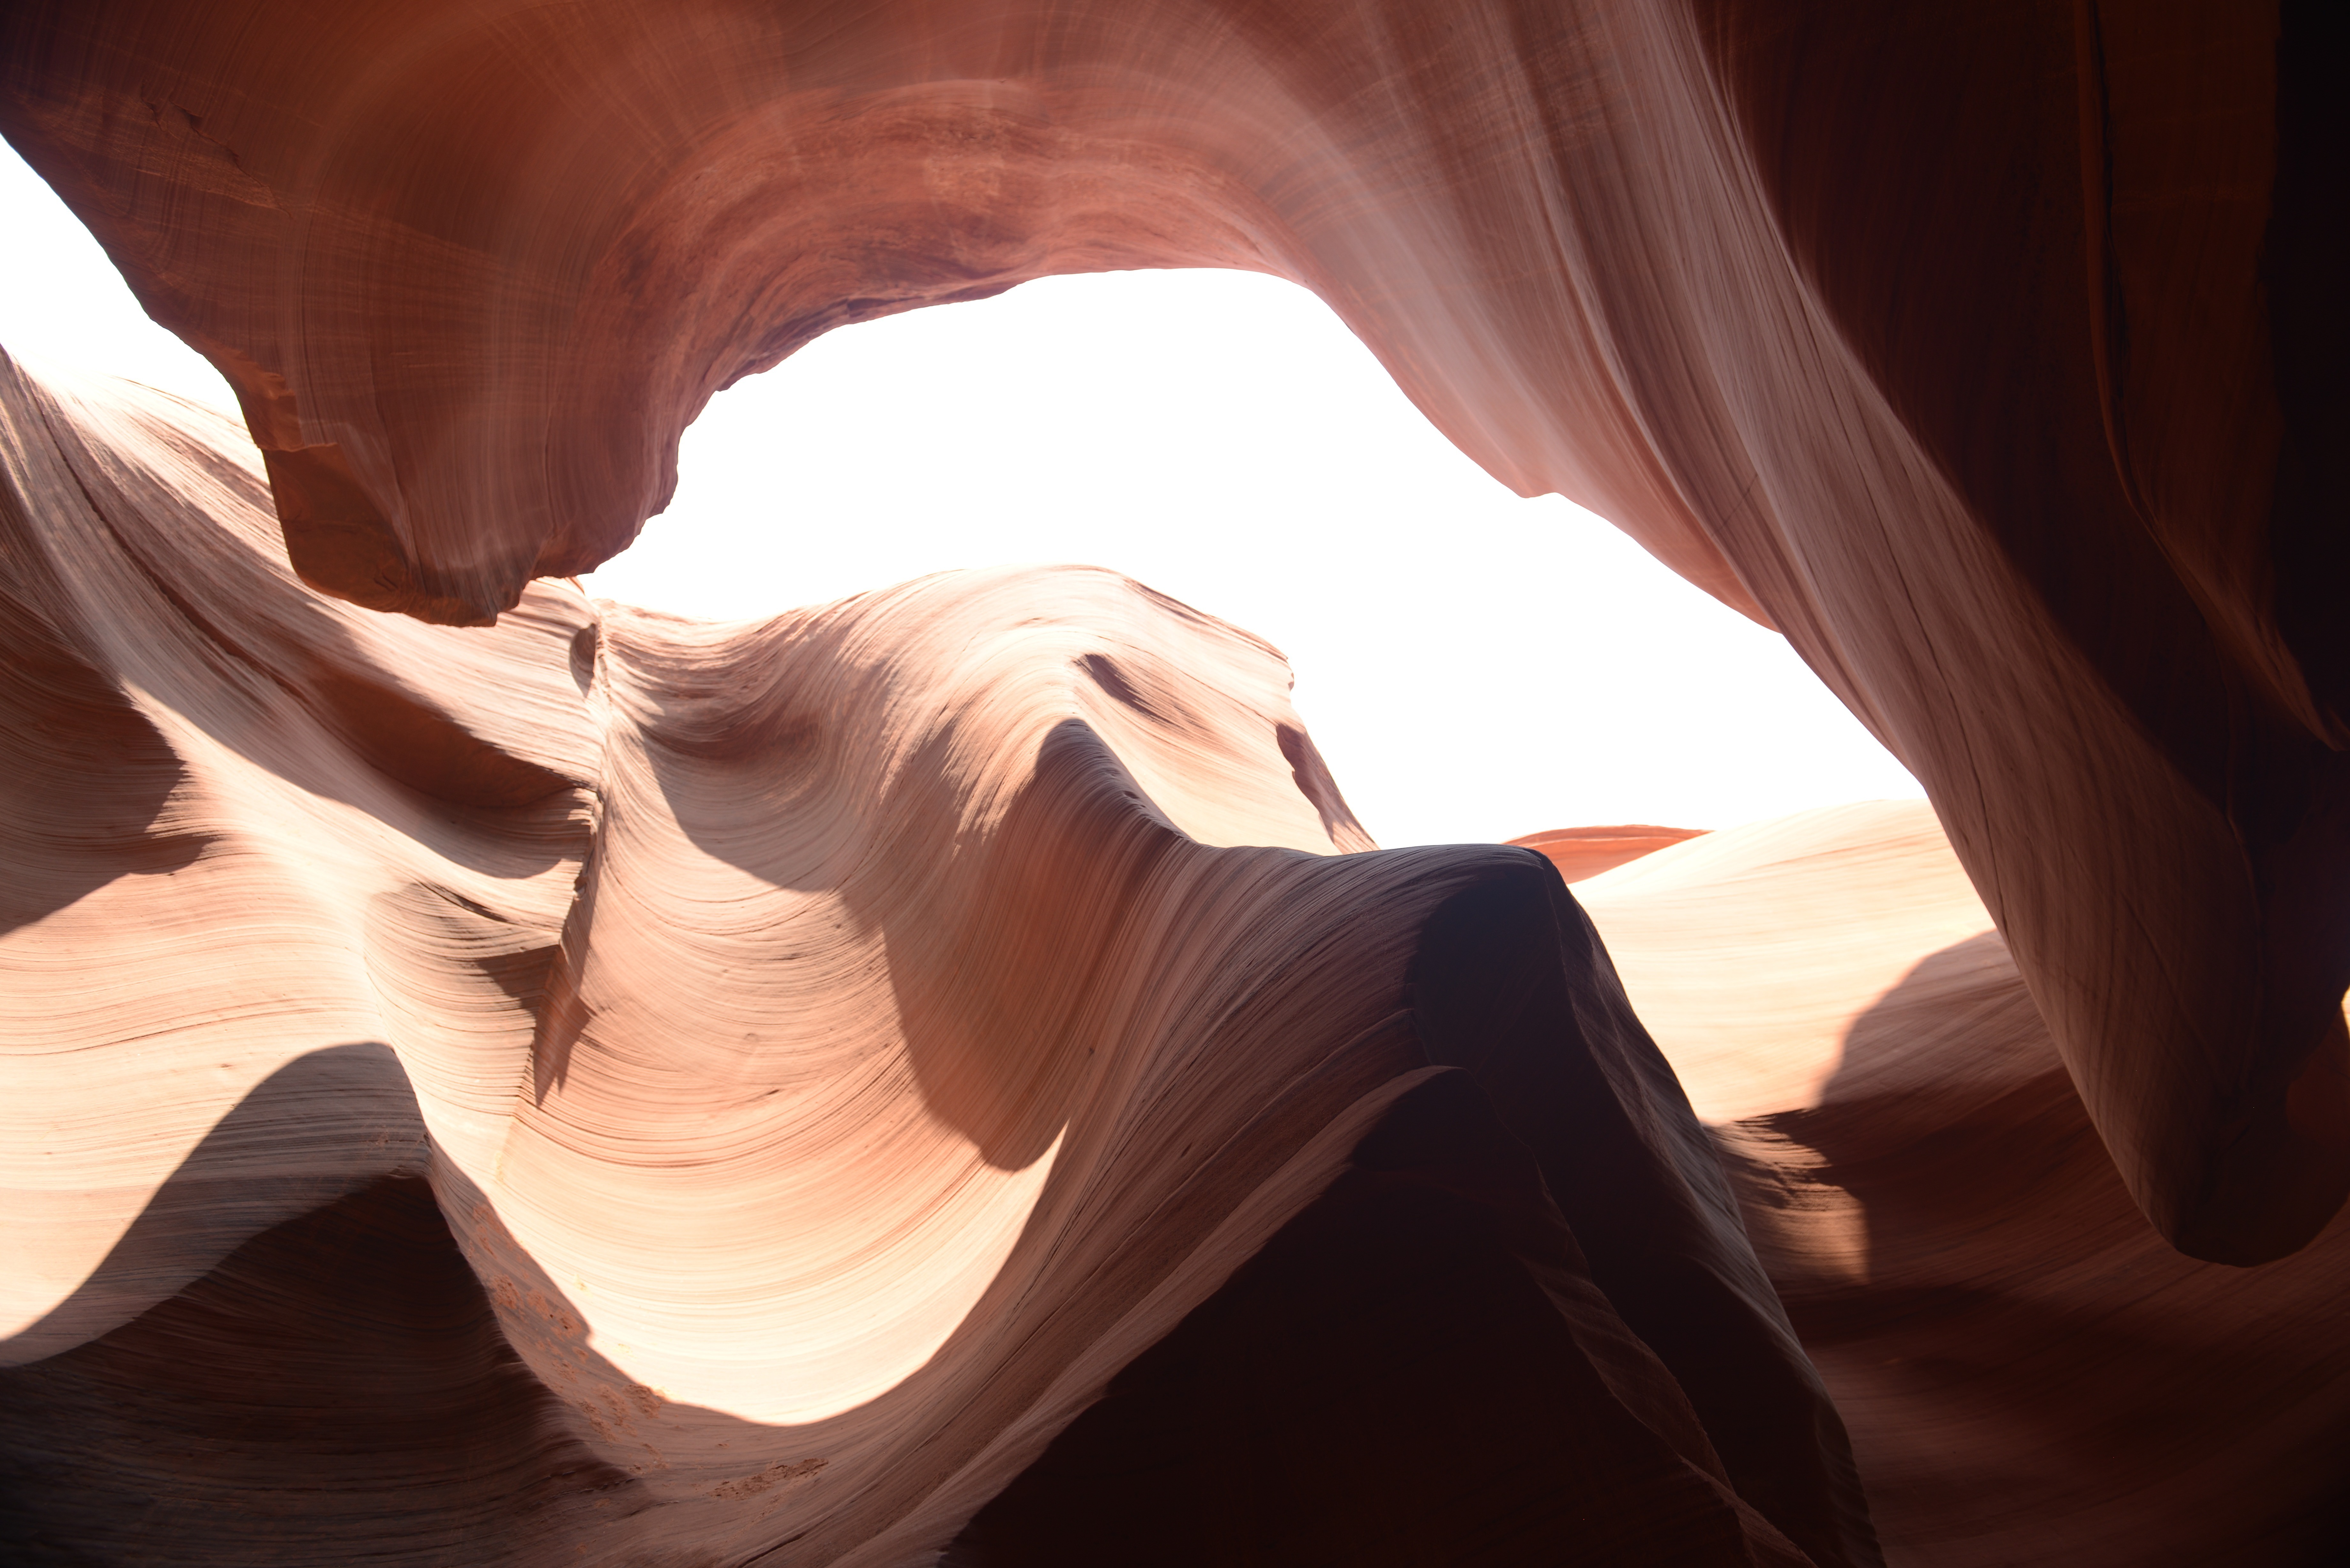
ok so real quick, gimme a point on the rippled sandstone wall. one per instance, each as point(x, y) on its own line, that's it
point(1986, 350)
point(1992, 353)
point(616, 1090)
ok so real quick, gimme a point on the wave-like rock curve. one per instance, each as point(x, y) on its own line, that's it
point(1986, 350)
point(914, 1074)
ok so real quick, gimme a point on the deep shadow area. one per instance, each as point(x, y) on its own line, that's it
point(337, 1382)
point(1512, 982)
point(1416, 1370)
point(1524, 1327)
point(323, 1126)
point(2025, 1365)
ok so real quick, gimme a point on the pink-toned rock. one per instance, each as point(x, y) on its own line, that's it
point(1984, 350)
point(916, 1073)
point(613, 1089)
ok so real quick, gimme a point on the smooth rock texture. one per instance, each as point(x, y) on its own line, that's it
point(2031, 1378)
point(1990, 351)
point(613, 1089)
point(1581, 852)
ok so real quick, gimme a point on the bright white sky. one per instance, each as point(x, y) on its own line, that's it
point(1473, 666)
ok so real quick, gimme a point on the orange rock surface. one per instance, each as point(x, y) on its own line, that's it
point(1584, 852)
point(2030, 1376)
point(1983, 350)
point(608, 1088)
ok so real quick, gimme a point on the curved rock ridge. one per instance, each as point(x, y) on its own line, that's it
point(2030, 1377)
point(1985, 351)
point(610, 1088)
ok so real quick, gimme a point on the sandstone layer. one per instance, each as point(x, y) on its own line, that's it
point(2030, 1377)
point(942, 1071)
point(1988, 351)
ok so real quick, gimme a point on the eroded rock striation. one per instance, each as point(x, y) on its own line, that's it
point(1987, 352)
point(916, 1073)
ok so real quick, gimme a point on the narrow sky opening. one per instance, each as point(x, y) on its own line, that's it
point(1473, 665)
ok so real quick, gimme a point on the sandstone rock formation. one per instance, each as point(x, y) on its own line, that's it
point(1988, 351)
point(537, 1081)
point(2030, 1377)
point(1584, 852)
point(607, 1088)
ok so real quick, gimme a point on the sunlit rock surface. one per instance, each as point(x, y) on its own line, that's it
point(1986, 350)
point(608, 1088)
point(2030, 1376)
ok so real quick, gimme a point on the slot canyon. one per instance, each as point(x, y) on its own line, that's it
point(497, 1075)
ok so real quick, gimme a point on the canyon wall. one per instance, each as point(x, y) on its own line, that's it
point(944, 1074)
point(608, 1088)
point(1987, 352)
point(915, 1078)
